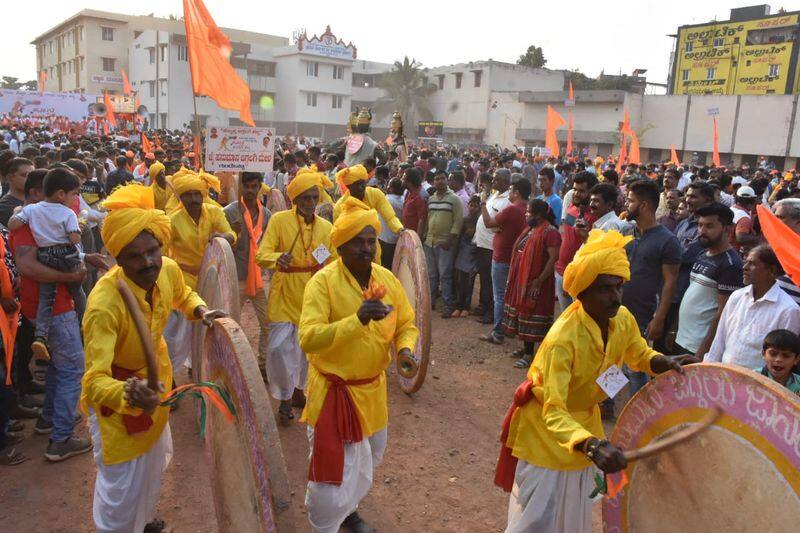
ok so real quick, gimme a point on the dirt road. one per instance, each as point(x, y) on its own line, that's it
point(436, 476)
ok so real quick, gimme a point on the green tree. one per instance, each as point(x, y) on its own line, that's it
point(406, 89)
point(10, 82)
point(534, 57)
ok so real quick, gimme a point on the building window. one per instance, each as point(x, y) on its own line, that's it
point(151, 55)
point(108, 64)
point(774, 71)
point(163, 53)
point(338, 72)
point(311, 99)
point(441, 81)
point(182, 52)
point(336, 101)
point(163, 85)
point(312, 69)
point(478, 74)
point(80, 60)
point(719, 42)
point(685, 75)
point(689, 46)
point(51, 46)
point(152, 86)
point(108, 33)
point(711, 73)
point(459, 75)
point(80, 33)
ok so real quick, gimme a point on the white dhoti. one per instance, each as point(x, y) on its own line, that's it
point(550, 501)
point(178, 335)
point(126, 494)
point(328, 505)
point(287, 366)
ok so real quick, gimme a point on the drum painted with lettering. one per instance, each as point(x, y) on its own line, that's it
point(218, 286)
point(742, 474)
point(248, 473)
point(410, 268)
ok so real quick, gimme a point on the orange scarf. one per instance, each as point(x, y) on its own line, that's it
point(254, 281)
point(8, 324)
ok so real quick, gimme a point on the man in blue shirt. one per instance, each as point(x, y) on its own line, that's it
point(546, 180)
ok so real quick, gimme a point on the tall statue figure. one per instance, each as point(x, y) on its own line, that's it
point(397, 137)
point(360, 146)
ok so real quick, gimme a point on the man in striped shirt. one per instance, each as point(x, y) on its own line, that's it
point(445, 218)
point(788, 211)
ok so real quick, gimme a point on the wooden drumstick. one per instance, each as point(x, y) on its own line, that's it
point(676, 438)
point(144, 334)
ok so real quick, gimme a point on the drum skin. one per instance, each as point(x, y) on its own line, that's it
point(218, 286)
point(410, 268)
point(248, 473)
point(742, 474)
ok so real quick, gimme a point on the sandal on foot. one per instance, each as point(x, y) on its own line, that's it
point(11, 457)
point(522, 362)
point(517, 354)
point(285, 414)
point(490, 338)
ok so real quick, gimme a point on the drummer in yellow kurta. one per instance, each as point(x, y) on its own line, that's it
point(131, 447)
point(213, 186)
point(353, 180)
point(194, 224)
point(553, 434)
point(347, 339)
point(158, 182)
point(295, 246)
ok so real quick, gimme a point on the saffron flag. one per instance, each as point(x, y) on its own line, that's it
point(715, 145)
point(42, 79)
point(110, 116)
point(554, 121)
point(633, 155)
point(784, 241)
point(126, 85)
point(571, 92)
point(197, 152)
point(158, 140)
point(673, 156)
point(212, 74)
point(623, 131)
point(569, 129)
point(147, 146)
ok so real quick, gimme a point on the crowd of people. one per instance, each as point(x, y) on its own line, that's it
point(632, 263)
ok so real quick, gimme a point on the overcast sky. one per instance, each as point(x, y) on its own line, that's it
point(587, 35)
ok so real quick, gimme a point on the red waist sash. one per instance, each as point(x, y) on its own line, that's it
point(337, 423)
point(507, 463)
point(133, 424)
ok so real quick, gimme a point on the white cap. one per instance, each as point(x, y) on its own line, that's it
point(738, 180)
point(745, 191)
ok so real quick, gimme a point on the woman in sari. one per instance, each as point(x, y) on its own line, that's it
point(530, 292)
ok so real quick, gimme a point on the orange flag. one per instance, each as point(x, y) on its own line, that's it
point(784, 241)
point(569, 129)
point(673, 156)
point(157, 139)
point(110, 117)
point(623, 131)
point(571, 92)
point(147, 146)
point(197, 152)
point(633, 156)
point(212, 74)
point(715, 145)
point(42, 79)
point(554, 121)
point(126, 85)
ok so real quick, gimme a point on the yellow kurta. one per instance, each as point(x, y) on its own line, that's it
point(564, 410)
point(161, 196)
point(336, 342)
point(375, 199)
point(286, 288)
point(111, 338)
point(189, 240)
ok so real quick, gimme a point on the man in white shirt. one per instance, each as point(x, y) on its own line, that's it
point(753, 311)
point(483, 240)
point(601, 204)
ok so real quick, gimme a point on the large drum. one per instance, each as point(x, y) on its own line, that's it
point(248, 473)
point(218, 286)
point(741, 474)
point(410, 268)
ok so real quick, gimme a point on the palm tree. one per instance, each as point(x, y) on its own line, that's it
point(406, 90)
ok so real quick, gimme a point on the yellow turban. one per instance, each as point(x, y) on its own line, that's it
point(356, 215)
point(212, 182)
point(185, 180)
point(155, 169)
point(349, 175)
point(132, 211)
point(603, 253)
point(304, 180)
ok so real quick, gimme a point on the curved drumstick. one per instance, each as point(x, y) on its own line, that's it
point(144, 334)
point(676, 438)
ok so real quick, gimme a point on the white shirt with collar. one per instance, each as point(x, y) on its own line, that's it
point(745, 322)
point(484, 236)
point(610, 221)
